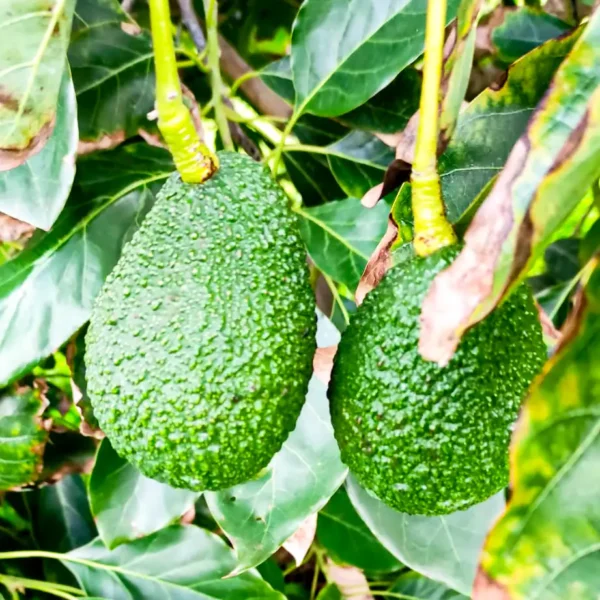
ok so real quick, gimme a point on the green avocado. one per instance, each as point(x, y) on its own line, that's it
point(425, 439)
point(200, 344)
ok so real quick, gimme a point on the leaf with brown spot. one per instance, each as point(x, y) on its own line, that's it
point(23, 433)
point(301, 540)
point(546, 543)
point(32, 56)
point(549, 168)
point(350, 580)
point(13, 230)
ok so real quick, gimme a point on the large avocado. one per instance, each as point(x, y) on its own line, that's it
point(200, 345)
point(430, 440)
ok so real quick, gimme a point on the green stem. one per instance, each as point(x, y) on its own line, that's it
point(56, 589)
point(194, 161)
point(432, 229)
point(276, 154)
point(214, 52)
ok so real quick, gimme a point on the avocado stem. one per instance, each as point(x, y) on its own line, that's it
point(192, 158)
point(432, 228)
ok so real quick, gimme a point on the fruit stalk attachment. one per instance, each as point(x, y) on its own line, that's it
point(432, 229)
point(193, 159)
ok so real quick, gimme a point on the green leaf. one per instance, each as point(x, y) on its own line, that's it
point(23, 438)
point(391, 108)
point(348, 540)
point(443, 548)
point(260, 515)
point(112, 71)
point(312, 177)
point(278, 76)
point(524, 29)
point(373, 40)
point(358, 162)
point(489, 127)
point(47, 291)
point(32, 58)
point(36, 191)
point(179, 563)
point(416, 587)
point(557, 157)
point(127, 505)
point(341, 236)
point(64, 521)
point(546, 544)
point(330, 592)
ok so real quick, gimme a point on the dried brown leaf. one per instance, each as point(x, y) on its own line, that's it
point(13, 230)
point(350, 580)
point(323, 363)
point(372, 197)
point(106, 142)
point(485, 588)
point(379, 263)
point(12, 158)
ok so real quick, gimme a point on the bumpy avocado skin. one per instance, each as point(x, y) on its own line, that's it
point(430, 440)
point(200, 345)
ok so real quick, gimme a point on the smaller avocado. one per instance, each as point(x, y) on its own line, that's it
point(425, 439)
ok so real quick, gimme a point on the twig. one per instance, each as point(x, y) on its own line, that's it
point(256, 90)
point(192, 24)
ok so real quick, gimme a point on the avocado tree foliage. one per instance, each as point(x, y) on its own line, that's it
point(327, 94)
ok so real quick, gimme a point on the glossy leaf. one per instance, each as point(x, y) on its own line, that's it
point(348, 540)
point(391, 108)
point(36, 191)
point(489, 127)
point(373, 39)
point(64, 521)
point(260, 515)
point(278, 76)
point(23, 438)
point(358, 162)
point(179, 563)
point(126, 505)
point(416, 587)
point(330, 592)
point(546, 544)
point(524, 29)
point(340, 237)
point(47, 291)
point(558, 155)
point(112, 70)
point(443, 548)
point(32, 58)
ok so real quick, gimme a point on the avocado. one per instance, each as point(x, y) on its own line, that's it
point(200, 344)
point(425, 439)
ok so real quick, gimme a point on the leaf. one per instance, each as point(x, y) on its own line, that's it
point(340, 237)
point(32, 58)
point(373, 40)
point(260, 515)
point(47, 291)
point(443, 548)
point(417, 587)
point(489, 127)
point(457, 67)
point(348, 540)
point(112, 71)
point(36, 191)
point(358, 161)
point(278, 76)
point(299, 543)
point(64, 521)
point(391, 108)
point(546, 544)
point(558, 156)
point(179, 563)
point(23, 438)
point(330, 592)
point(524, 29)
point(126, 505)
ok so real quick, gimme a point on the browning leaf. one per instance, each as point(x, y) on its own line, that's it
point(300, 541)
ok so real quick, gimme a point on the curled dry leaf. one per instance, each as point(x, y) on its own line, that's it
point(379, 263)
point(557, 155)
point(12, 158)
point(105, 142)
point(300, 541)
point(350, 580)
